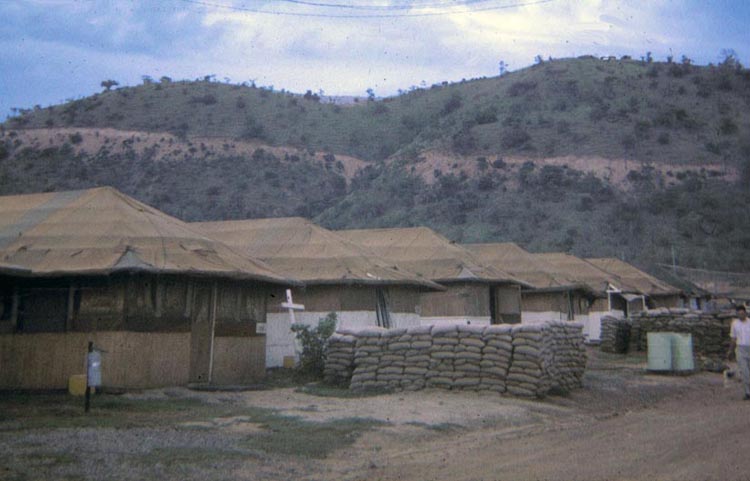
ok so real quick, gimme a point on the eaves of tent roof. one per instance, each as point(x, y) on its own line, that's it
point(522, 264)
point(426, 252)
point(645, 283)
point(580, 271)
point(102, 231)
point(303, 250)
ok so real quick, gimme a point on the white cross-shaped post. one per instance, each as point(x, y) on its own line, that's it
point(291, 306)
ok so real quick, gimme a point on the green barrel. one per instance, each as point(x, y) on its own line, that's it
point(682, 352)
point(659, 351)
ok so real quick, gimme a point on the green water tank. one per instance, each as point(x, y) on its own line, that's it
point(682, 352)
point(659, 351)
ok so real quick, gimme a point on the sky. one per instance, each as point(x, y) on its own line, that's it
point(55, 50)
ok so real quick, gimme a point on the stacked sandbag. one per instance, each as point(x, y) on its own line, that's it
point(529, 373)
point(520, 360)
point(441, 372)
point(710, 332)
point(468, 357)
point(615, 335)
point(569, 355)
point(368, 351)
point(496, 357)
point(339, 364)
point(416, 357)
point(395, 343)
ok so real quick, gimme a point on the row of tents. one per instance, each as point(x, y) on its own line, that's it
point(172, 303)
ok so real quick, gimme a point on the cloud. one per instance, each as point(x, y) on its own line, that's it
point(53, 50)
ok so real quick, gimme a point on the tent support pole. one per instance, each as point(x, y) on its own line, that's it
point(71, 307)
point(212, 320)
point(14, 309)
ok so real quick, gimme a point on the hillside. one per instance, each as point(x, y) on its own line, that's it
point(666, 113)
point(599, 158)
point(194, 179)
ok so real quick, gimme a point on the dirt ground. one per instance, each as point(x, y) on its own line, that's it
point(625, 424)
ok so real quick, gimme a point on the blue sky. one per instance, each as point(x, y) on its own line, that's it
point(53, 50)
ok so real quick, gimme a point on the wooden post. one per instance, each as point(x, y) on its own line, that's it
point(87, 402)
point(71, 308)
point(212, 320)
point(159, 301)
point(189, 298)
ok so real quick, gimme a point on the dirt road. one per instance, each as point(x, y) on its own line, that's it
point(626, 425)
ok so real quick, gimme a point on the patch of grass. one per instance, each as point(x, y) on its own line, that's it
point(48, 458)
point(298, 437)
point(281, 378)
point(323, 390)
point(49, 411)
point(288, 435)
point(441, 427)
point(180, 456)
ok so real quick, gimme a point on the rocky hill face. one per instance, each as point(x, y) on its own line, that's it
point(615, 158)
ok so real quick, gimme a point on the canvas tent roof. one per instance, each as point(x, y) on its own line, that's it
point(306, 251)
point(690, 288)
point(102, 231)
point(732, 285)
point(645, 283)
point(523, 265)
point(426, 252)
point(572, 267)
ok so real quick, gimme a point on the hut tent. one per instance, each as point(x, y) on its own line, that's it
point(476, 293)
point(340, 276)
point(726, 289)
point(693, 296)
point(657, 292)
point(552, 296)
point(166, 304)
point(612, 295)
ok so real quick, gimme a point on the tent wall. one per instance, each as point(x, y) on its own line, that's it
point(508, 304)
point(132, 359)
point(213, 328)
point(472, 303)
point(553, 305)
point(239, 360)
point(354, 305)
point(460, 303)
point(665, 301)
point(544, 306)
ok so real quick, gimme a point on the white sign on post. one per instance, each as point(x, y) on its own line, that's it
point(94, 368)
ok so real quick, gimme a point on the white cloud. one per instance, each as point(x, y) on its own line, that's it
point(75, 42)
point(393, 53)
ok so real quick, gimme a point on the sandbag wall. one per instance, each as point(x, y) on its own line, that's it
point(710, 331)
point(615, 335)
point(339, 363)
point(523, 360)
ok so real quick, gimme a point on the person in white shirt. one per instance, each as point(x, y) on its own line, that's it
point(740, 343)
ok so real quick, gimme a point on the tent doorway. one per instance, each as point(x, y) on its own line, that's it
point(382, 308)
point(202, 333)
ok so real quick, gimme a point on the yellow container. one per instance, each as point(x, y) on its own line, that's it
point(289, 362)
point(77, 384)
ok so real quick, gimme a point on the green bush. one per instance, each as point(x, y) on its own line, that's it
point(314, 344)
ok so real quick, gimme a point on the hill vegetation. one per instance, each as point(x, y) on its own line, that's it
point(527, 157)
point(649, 111)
